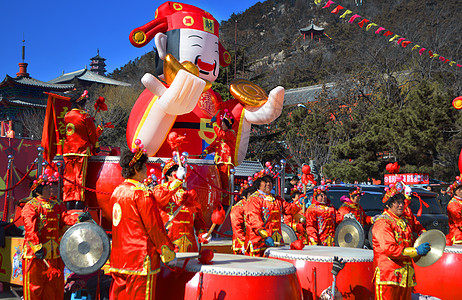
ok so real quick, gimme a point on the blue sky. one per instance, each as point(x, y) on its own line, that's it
point(64, 35)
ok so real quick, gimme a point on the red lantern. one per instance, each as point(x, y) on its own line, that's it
point(306, 169)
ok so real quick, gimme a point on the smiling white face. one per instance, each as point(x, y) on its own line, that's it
point(200, 48)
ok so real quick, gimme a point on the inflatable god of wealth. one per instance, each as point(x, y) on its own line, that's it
point(189, 54)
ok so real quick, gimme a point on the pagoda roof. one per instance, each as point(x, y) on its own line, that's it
point(31, 82)
point(19, 102)
point(311, 28)
point(248, 168)
point(87, 75)
point(97, 57)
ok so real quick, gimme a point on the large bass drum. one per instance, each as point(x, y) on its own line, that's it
point(288, 234)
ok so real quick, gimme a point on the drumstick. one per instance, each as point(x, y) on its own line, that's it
point(46, 263)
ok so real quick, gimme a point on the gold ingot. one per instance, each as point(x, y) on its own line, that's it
point(457, 103)
point(172, 66)
point(248, 93)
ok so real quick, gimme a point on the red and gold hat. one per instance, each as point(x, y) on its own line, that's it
point(169, 164)
point(138, 150)
point(390, 191)
point(318, 190)
point(357, 191)
point(455, 184)
point(227, 117)
point(176, 15)
point(48, 177)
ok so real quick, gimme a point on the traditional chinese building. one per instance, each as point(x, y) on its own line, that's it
point(98, 65)
point(312, 31)
point(84, 79)
point(23, 96)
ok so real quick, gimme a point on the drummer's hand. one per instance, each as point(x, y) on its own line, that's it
point(172, 263)
point(423, 249)
point(181, 173)
point(269, 242)
point(349, 216)
point(40, 254)
point(204, 238)
point(338, 264)
point(85, 217)
point(243, 249)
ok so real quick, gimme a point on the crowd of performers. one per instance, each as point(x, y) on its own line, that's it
point(149, 225)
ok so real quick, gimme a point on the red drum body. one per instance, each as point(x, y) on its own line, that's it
point(442, 279)
point(104, 175)
point(314, 266)
point(230, 277)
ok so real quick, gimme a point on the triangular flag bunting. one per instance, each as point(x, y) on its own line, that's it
point(378, 30)
point(452, 63)
point(353, 18)
point(328, 4)
point(415, 47)
point(405, 43)
point(347, 12)
point(421, 51)
point(400, 40)
point(361, 23)
point(370, 25)
point(337, 9)
point(388, 33)
point(393, 38)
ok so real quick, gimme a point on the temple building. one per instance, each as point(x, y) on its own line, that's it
point(312, 31)
point(97, 64)
point(21, 97)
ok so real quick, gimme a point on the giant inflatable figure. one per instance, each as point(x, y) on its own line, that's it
point(189, 53)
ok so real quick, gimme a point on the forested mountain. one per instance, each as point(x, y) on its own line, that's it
point(393, 104)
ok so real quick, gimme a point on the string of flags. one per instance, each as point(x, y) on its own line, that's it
point(379, 30)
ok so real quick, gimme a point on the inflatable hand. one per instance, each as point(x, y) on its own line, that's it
point(181, 173)
point(423, 249)
point(269, 242)
point(269, 111)
point(181, 97)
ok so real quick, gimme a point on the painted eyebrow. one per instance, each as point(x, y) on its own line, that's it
point(196, 45)
point(195, 36)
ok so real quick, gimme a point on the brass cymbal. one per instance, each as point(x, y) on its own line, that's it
point(349, 233)
point(437, 241)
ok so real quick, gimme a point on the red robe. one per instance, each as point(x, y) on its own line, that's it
point(455, 221)
point(357, 210)
point(223, 146)
point(293, 222)
point(237, 217)
point(189, 222)
point(264, 217)
point(44, 221)
point(139, 242)
point(394, 272)
point(81, 142)
point(320, 224)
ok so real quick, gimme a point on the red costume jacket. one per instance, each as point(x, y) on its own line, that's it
point(263, 219)
point(455, 221)
point(237, 217)
point(391, 236)
point(223, 145)
point(355, 209)
point(139, 240)
point(320, 224)
point(189, 222)
point(81, 133)
point(44, 220)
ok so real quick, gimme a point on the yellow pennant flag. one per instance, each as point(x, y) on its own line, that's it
point(317, 2)
point(370, 25)
point(393, 38)
point(451, 63)
point(347, 12)
point(415, 47)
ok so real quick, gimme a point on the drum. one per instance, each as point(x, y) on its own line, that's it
point(314, 265)
point(230, 277)
point(441, 279)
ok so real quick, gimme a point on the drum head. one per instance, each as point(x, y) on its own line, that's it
point(437, 241)
point(349, 233)
point(288, 234)
point(84, 248)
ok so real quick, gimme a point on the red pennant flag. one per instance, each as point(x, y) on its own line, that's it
point(405, 43)
point(54, 128)
point(353, 18)
point(337, 9)
point(364, 21)
point(328, 4)
point(400, 40)
point(387, 33)
point(378, 30)
point(421, 51)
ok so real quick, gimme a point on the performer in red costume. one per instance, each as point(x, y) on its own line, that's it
point(351, 206)
point(189, 222)
point(320, 219)
point(237, 217)
point(263, 218)
point(415, 225)
point(44, 218)
point(393, 250)
point(81, 143)
point(455, 214)
point(139, 240)
point(223, 146)
point(297, 222)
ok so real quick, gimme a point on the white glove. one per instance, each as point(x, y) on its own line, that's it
point(243, 249)
point(181, 173)
point(204, 238)
point(349, 216)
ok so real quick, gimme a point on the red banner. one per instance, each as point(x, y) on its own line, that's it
point(54, 127)
point(408, 178)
